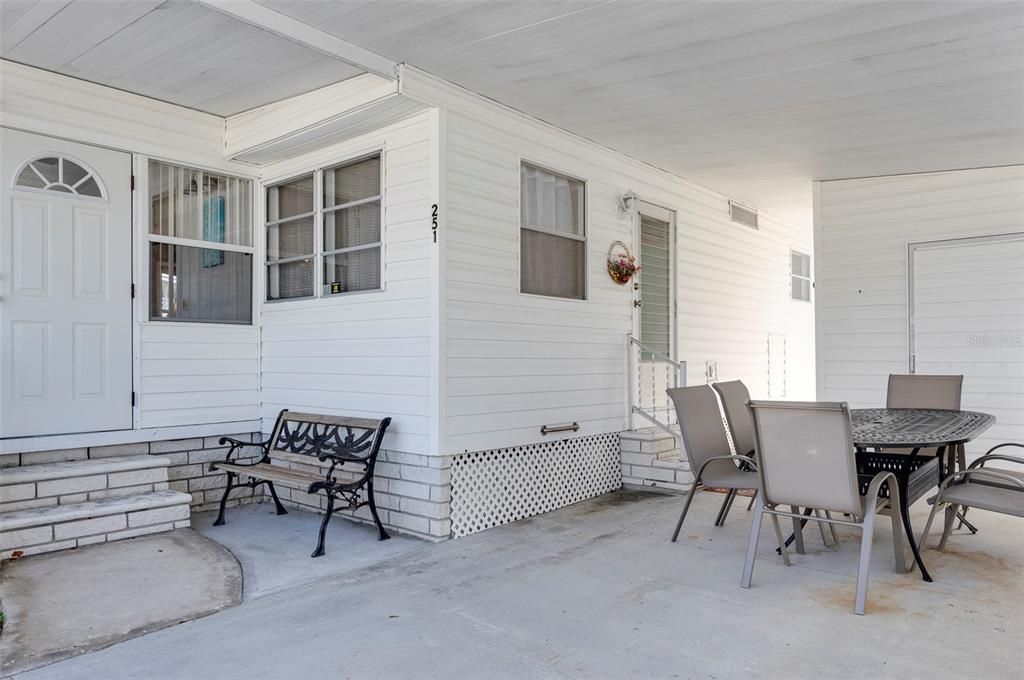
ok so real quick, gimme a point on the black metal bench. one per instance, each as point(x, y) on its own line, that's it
point(350, 444)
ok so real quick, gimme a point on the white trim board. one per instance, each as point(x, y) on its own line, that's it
point(85, 439)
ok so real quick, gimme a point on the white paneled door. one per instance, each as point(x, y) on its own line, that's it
point(65, 287)
point(967, 317)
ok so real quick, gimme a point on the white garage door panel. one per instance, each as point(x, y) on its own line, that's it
point(968, 317)
point(65, 286)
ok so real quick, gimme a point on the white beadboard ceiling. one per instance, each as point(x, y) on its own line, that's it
point(178, 51)
point(751, 97)
point(754, 98)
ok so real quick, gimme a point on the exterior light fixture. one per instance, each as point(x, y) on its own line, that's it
point(627, 203)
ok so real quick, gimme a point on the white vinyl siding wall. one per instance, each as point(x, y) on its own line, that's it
point(863, 228)
point(192, 374)
point(513, 362)
point(366, 354)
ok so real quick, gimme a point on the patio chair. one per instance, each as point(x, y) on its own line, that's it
point(985, 488)
point(927, 391)
point(735, 396)
point(805, 457)
point(702, 435)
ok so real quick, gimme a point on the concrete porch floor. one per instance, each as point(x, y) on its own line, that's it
point(596, 590)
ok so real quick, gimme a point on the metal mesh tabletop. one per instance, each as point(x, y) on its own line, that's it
point(916, 427)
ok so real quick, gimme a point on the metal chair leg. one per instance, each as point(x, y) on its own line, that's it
point(751, 503)
point(277, 501)
point(832, 528)
point(724, 510)
point(928, 524)
point(868, 530)
point(323, 527)
point(686, 508)
point(821, 528)
point(898, 541)
point(755, 534)
point(951, 513)
point(783, 550)
point(798, 530)
point(224, 499)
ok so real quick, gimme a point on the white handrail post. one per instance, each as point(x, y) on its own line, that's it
point(629, 380)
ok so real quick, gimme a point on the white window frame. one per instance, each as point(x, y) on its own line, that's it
point(142, 187)
point(551, 232)
point(318, 228)
point(794, 275)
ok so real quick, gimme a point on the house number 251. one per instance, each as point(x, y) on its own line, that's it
point(433, 221)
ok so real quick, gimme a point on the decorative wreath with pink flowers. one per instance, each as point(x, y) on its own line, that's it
point(622, 266)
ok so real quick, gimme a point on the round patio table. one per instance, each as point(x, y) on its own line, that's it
point(877, 429)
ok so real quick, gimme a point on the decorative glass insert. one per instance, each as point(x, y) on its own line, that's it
point(60, 174)
point(201, 245)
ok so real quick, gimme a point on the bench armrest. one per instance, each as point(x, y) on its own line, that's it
point(237, 444)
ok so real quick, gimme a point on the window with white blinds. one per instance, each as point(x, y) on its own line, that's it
point(656, 284)
point(553, 239)
point(330, 234)
point(800, 276)
point(200, 245)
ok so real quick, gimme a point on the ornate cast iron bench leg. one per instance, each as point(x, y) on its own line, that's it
point(224, 499)
point(277, 501)
point(382, 535)
point(323, 527)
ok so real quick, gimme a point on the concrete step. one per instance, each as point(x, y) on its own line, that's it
point(51, 484)
point(38, 530)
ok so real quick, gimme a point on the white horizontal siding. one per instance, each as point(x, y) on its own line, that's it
point(512, 362)
point(365, 354)
point(863, 228)
point(193, 374)
point(52, 104)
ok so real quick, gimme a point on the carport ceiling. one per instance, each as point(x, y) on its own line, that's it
point(752, 97)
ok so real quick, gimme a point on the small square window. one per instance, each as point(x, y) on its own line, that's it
point(800, 276)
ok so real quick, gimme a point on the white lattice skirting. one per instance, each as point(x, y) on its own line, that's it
point(500, 486)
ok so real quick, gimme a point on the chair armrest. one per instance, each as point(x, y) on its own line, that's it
point(871, 497)
point(238, 444)
point(995, 456)
point(742, 460)
point(1017, 484)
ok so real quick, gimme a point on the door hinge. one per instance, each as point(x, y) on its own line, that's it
point(133, 291)
point(133, 399)
point(133, 182)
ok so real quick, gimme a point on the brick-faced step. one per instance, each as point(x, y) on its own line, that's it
point(50, 484)
point(39, 530)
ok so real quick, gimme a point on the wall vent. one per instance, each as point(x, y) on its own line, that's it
point(743, 215)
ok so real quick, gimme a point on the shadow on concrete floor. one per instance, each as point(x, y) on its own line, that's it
point(274, 550)
point(62, 604)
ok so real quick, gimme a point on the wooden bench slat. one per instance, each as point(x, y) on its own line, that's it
point(274, 473)
point(362, 423)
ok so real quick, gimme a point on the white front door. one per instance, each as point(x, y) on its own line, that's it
point(967, 318)
point(65, 287)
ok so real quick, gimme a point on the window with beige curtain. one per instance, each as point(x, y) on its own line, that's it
point(553, 239)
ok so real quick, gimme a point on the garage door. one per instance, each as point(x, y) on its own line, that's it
point(967, 317)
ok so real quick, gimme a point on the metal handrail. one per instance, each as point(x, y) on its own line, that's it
point(633, 364)
point(656, 353)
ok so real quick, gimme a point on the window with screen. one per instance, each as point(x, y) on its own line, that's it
point(800, 276)
point(325, 227)
point(200, 245)
point(553, 239)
